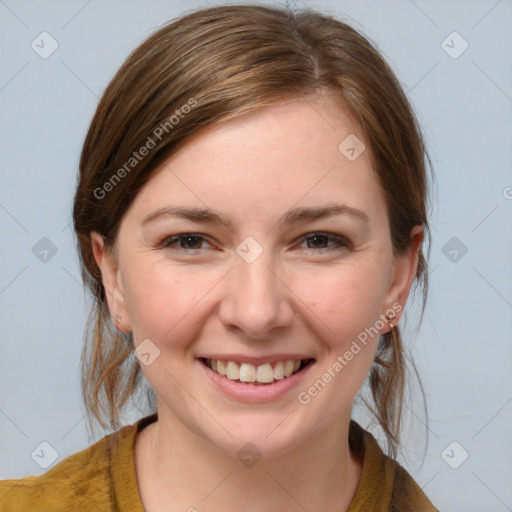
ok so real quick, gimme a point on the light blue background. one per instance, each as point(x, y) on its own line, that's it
point(463, 349)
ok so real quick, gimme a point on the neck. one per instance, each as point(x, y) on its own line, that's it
point(176, 466)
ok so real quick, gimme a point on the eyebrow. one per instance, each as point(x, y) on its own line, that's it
point(295, 216)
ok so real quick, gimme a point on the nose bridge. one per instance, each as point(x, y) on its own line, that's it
point(256, 281)
point(256, 300)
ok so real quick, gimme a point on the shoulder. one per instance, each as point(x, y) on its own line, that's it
point(385, 486)
point(407, 494)
point(82, 481)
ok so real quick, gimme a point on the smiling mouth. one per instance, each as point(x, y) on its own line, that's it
point(260, 375)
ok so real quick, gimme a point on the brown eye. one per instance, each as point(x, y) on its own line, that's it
point(324, 241)
point(185, 241)
point(317, 241)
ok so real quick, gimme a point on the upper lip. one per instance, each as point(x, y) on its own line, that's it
point(243, 358)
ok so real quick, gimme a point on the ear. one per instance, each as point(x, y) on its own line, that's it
point(111, 278)
point(402, 276)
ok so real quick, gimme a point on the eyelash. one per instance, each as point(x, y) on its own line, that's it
point(339, 241)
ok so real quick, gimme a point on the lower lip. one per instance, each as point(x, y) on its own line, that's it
point(253, 393)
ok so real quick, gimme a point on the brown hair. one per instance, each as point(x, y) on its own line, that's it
point(205, 68)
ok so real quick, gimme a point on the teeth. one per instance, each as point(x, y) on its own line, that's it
point(232, 371)
point(288, 368)
point(221, 367)
point(264, 373)
point(246, 372)
point(279, 370)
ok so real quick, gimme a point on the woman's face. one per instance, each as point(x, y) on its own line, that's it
point(262, 241)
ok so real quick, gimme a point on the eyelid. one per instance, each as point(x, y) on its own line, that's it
point(339, 241)
point(171, 242)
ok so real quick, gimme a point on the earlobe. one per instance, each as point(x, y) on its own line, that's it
point(111, 280)
point(402, 277)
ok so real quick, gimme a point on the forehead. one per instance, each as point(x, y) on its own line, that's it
point(289, 153)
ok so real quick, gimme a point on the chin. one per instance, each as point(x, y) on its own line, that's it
point(256, 437)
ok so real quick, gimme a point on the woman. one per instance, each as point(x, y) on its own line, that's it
point(250, 214)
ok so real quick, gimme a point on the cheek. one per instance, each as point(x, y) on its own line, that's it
point(347, 300)
point(161, 300)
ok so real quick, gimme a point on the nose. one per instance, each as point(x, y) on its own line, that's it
point(256, 300)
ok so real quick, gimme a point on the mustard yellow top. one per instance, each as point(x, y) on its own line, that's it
point(102, 477)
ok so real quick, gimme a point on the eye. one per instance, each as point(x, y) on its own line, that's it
point(320, 242)
point(184, 241)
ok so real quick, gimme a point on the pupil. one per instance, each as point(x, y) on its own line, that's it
point(190, 241)
point(318, 240)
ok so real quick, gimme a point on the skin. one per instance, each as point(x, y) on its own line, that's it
point(294, 298)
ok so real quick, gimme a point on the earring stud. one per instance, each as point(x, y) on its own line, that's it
point(117, 320)
point(390, 316)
